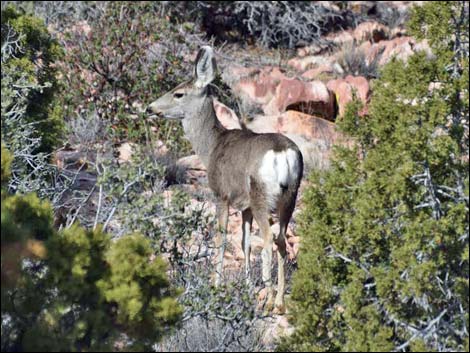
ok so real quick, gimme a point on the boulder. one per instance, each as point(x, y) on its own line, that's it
point(195, 170)
point(260, 86)
point(314, 136)
point(314, 49)
point(308, 97)
point(370, 31)
point(271, 90)
point(400, 47)
point(303, 63)
point(310, 127)
point(191, 162)
point(324, 69)
point(296, 123)
point(341, 38)
point(344, 88)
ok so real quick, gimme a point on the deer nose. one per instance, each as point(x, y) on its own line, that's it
point(149, 110)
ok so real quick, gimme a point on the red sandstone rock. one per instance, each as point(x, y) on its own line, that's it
point(195, 170)
point(291, 94)
point(308, 126)
point(261, 87)
point(293, 122)
point(401, 48)
point(303, 63)
point(344, 88)
point(341, 38)
point(191, 162)
point(314, 136)
point(370, 31)
point(314, 73)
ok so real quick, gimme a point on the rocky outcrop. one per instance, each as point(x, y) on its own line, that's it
point(308, 97)
point(303, 63)
point(194, 169)
point(314, 136)
point(327, 69)
point(275, 93)
point(344, 89)
point(259, 86)
point(400, 48)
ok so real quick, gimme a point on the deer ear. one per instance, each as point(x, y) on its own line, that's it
point(205, 68)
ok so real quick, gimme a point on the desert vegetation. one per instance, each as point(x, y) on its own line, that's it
point(108, 224)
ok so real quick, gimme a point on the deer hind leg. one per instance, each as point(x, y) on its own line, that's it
point(279, 303)
point(247, 220)
point(285, 209)
point(221, 239)
point(262, 218)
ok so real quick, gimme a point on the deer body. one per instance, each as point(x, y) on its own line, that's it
point(255, 173)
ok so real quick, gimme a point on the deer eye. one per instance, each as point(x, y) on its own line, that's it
point(178, 95)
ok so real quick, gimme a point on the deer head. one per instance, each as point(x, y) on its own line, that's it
point(188, 96)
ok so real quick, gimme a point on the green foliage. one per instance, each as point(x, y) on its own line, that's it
point(76, 289)
point(25, 222)
point(120, 63)
point(94, 291)
point(60, 15)
point(27, 215)
point(29, 79)
point(6, 165)
point(132, 287)
point(384, 258)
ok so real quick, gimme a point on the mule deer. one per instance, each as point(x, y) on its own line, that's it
point(255, 173)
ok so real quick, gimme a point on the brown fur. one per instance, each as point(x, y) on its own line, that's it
point(230, 176)
point(233, 159)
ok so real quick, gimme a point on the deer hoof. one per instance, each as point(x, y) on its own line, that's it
point(269, 304)
point(279, 309)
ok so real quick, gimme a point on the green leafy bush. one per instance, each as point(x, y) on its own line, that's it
point(60, 14)
point(384, 262)
point(29, 79)
point(6, 165)
point(76, 289)
point(117, 64)
point(32, 122)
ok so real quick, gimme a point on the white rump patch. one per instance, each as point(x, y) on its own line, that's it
point(278, 170)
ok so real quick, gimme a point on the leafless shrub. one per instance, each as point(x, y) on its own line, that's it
point(354, 61)
point(61, 14)
point(391, 16)
point(199, 335)
point(286, 23)
point(224, 318)
point(269, 23)
point(86, 129)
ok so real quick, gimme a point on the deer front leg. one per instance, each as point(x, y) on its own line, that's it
point(221, 239)
point(247, 220)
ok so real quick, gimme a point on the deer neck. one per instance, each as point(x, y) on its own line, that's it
point(203, 129)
